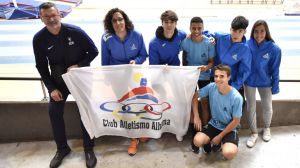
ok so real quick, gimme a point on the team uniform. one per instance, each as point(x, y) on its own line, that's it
point(223, 109)
point(199, 54)
point(114, 51)
point(264, 76)
point(266, 58)
point(165, 51)
point(235, 55)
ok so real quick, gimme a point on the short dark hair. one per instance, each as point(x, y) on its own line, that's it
point(108, 26)
point(196, 20)
point(169, 15)
point(264, 23)
point(239, 22)
point(47, 5)
point(223, 67)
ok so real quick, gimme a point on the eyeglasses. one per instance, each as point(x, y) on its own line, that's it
point(49, 16)
point(117, 20)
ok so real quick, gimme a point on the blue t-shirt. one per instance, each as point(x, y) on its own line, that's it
point(198, 54)
point(223, 107)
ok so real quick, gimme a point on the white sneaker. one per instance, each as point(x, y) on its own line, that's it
point(252, 140)
point(266, 134)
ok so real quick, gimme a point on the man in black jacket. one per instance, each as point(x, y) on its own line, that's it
point(62, 47)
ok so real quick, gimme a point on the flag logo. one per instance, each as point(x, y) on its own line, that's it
point(138, 103)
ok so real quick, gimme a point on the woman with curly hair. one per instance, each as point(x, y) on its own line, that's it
point(121, 44)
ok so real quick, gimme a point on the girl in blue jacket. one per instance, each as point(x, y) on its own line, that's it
point(121, 44)
point(264, 76)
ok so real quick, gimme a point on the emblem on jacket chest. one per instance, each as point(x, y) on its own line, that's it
point(70, 41)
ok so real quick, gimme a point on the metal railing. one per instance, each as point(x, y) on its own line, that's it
point(45, 98)
point(246, 1)
point(285, 80)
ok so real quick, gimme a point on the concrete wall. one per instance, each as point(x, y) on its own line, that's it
point(28, 121)
point(285, 112)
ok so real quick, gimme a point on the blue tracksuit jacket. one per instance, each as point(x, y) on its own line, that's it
point(165, 51)
point(114, 51)
point(266, 58)
point(235, 55)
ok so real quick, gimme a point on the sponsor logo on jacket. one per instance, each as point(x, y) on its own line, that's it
point(71, 42)
point(49, 48)
point(133, 47)
point(266, 56)
point(234, 56)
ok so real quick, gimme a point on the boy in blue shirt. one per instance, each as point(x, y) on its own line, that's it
point(226, 112)
point(198, 51)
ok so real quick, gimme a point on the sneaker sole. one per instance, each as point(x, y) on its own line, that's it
point(250, 146)
point(131, 154)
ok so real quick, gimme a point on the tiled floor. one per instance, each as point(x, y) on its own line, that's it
point(282, 151)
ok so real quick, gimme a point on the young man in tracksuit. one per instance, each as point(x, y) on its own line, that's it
point(232, 50)
point(165, 46)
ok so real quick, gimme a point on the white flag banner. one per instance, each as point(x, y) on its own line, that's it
point(134, 100)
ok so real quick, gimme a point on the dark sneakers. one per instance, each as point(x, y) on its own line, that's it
point(207, 148)
point(58, 158)
point(195, 148)
point(90, 158)
point(216, 148)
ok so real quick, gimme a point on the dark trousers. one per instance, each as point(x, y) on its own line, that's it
point(56, 113)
